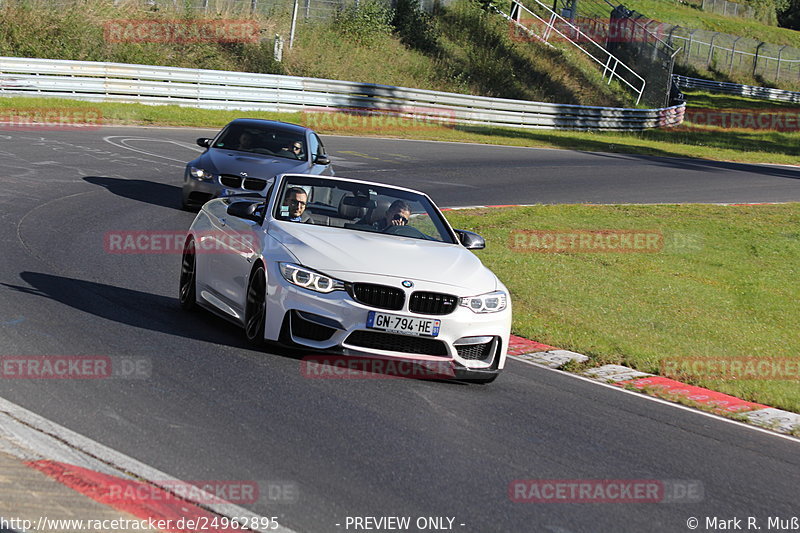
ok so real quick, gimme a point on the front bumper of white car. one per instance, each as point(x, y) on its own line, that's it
point(338, 320)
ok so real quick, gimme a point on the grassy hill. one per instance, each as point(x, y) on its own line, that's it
point(461, 49)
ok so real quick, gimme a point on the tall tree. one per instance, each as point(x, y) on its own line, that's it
point(788, 13)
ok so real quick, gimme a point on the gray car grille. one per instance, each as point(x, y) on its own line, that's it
point(237, 182)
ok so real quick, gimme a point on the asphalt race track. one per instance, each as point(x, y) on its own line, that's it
point(214, 409)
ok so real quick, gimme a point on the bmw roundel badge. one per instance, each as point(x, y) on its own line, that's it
point(407, 284)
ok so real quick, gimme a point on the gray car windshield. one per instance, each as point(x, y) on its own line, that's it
point(264, 141)
point(360, 207)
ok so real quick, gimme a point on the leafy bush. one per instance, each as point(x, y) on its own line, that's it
point(365, 22)
point(415, 27)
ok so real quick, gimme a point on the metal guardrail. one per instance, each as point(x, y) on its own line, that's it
point(215, 89)
point(764, 93)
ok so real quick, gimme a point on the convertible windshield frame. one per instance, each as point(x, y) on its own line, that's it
point(364, 203)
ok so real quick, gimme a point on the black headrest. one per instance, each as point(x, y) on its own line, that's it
point(352, 207)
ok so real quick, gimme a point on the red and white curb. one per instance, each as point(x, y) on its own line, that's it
point(117, 480)
point(622, 376)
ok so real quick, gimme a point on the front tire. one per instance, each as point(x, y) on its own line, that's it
point(188, 285)
point(256, 307)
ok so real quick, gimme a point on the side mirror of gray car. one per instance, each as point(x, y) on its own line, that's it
point(245, 210)
point(470, 240)
point(322, 160)
point(204, 142)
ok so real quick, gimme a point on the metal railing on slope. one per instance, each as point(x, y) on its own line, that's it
point(556, 24)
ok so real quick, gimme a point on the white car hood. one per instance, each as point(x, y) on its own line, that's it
point(336, 251)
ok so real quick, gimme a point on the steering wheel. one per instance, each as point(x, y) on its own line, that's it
point(405, 231)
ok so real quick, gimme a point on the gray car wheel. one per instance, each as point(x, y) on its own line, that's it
point(188, 284)
point(256, 307)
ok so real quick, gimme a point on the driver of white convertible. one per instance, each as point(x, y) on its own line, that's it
point(397, 215)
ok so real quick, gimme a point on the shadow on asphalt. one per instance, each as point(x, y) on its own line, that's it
point(702, 165)
point(663, 156)
point(149, 192)
point(133, 308)
point(164, 314)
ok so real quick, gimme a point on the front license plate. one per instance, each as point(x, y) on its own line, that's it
point(405, 325)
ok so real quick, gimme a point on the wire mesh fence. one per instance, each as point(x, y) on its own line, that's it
point(704, 50)
point(729, 54)
point(730, 9)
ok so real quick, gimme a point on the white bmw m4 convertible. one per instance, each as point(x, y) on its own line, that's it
point(352, 267)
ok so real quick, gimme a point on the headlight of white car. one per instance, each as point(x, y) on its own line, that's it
point(308, 279)
point(200, 174)
point(491, 302)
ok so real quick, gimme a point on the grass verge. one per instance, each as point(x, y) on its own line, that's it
point(722, 286)
point(704, 142)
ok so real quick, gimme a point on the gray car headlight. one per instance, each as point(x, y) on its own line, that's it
point(308, 279)
point(491, 302)
point(200, 174)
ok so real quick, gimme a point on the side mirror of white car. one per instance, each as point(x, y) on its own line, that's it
point(470, 240)
point(245, 210)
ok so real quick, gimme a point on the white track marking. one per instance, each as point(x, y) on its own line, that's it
point(659, 400)
point(112, 139)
